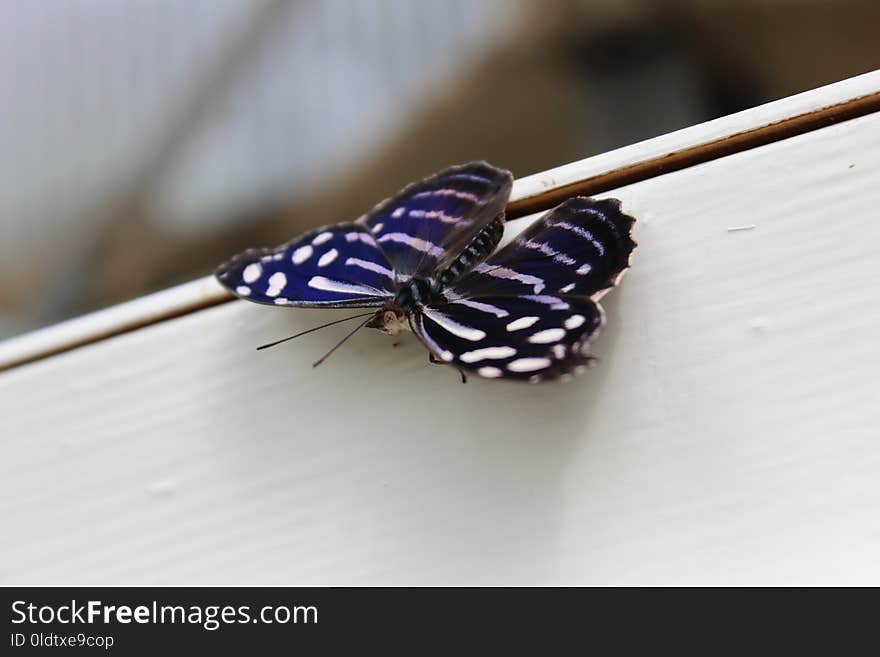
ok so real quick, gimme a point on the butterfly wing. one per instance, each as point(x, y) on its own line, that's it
point(580, 247)
point(530, 311)
point(424, 227)
point(335, 266)
point(525, 338)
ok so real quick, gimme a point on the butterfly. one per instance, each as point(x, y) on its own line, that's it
point(421, 259)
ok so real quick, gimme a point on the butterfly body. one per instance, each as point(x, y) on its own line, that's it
point(422, 259)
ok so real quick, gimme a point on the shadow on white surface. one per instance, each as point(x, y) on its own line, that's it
point(432, 481)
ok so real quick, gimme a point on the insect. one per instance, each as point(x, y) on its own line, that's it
point(421, 260)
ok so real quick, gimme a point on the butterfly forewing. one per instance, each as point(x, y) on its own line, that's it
point(579, 248)
point(428, 224)
point(334, 266)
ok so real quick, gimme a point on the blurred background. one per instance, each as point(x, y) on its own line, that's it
point(144, 142)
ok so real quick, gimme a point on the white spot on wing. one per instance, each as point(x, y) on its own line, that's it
point(567, 288)
point(559, 350)
point(398, 213)
point(547, 335)
point(484, 307)
point(521, 323)
point(375, 229)
point(490, 372)
point(555, 303)
point(251, 272)
point(446, 356)
point(322, 238)
point(574, 321)
point(277, 281)
point(490, 353)
point(355, 236)
point(528, 364)
point(280, 301)
point(302, 254)
point(449, 324)
point(243, 290)
point(327, 258)
point(584, 269)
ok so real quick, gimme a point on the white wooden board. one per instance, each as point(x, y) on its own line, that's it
point(729, 435)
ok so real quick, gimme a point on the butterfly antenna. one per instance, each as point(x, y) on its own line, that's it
point(340, 343)
point(338, 321)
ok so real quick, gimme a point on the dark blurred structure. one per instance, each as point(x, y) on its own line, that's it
point(146, 142)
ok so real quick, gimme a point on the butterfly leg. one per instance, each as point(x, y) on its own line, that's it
point(434, 361)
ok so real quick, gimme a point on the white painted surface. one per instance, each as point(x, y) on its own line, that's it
point(729, 434)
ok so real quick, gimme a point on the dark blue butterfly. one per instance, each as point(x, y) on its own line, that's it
point(528, 312)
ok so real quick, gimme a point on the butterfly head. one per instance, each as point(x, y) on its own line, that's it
point(390, 319)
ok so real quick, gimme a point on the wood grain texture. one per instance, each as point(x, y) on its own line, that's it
point(729, 434)
point(594, 175)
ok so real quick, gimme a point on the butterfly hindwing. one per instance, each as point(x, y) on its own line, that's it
point(333, 266)
point(530, 337)
point(428, 224)
point(580, 247)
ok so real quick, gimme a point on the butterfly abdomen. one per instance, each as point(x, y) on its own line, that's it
point(479, 248)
